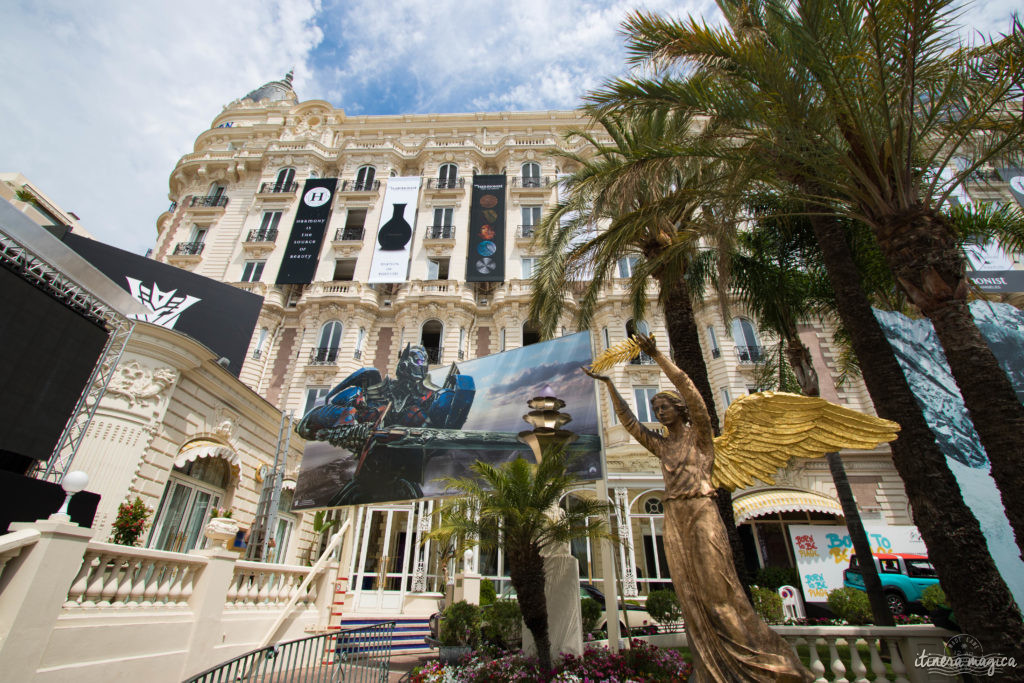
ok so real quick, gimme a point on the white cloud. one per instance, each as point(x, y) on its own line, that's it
point(102, 99)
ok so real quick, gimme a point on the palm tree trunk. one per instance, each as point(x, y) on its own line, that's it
point(920, 250)
point(528, 579)
point(684, 339)
point(976, 591)
point(800, 358)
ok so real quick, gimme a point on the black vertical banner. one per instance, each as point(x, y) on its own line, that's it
point(485, 261)
point(298, 267)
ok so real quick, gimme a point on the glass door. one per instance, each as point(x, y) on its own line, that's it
point(382, 571)
point(183, 513)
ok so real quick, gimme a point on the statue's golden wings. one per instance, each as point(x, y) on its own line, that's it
point(764, 430)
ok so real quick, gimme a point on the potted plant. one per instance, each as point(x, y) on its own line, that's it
point(130, 522)
point(459, 631)
point(221, 529)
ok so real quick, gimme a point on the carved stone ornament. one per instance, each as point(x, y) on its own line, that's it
point(138, 384)
point(220, 530)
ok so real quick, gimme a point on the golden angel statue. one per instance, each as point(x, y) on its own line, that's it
point(762, 432)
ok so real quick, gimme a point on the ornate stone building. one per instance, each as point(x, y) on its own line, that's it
point(234, 203)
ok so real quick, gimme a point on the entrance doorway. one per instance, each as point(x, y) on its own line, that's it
point(383, 571)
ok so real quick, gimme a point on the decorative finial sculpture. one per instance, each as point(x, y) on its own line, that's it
point(547, 422)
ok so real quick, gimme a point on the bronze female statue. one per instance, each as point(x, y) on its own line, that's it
point(727, 638)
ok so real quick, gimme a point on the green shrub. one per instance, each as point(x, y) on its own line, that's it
point(460, 624)
point(851, 605)
point(130, 522)
point(663, 606)
point(487, 593)
point(502, 623)
point(774, 578)
point(590, 610)
point(767, 604)
point(933, 597)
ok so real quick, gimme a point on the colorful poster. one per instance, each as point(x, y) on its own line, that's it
point(298, 266)
point(397, 225)
point(822, 552)
point(376, 439)
point(924, 364)
point(485, 259)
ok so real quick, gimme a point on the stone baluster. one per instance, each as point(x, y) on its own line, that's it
point(138, 587)
point(152, 580)
point(126, 580)
point(856, 663)
point(817, 667)
point(113, 568)
point(165, 572)
point(232, 595)
point(264, 592)
point(77, 591)
point(94, 590)
point(896, 662)
point(837, 666)
point(275, 581)
point(877, 665)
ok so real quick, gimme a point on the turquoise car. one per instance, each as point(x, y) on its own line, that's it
point(904, 577)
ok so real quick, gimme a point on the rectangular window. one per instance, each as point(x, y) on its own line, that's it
point(345, 269)
point(198, 234)
point(270, 221)
point(529, 265)
point(252, 271)
point(314, 397)
point(437, 269)
point(626, 266)
point(443, 216)
point(531, 218)
point(726, 399)
point(713, 340)
point(643, 397)
point(441, 228)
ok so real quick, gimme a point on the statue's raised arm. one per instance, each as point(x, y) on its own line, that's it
point(646, 437)
point(699, 419)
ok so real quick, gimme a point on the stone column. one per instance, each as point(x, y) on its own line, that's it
point(562, 593)
point(207, 605)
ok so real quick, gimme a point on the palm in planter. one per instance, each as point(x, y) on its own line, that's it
point(517, 498)
point(459, 631)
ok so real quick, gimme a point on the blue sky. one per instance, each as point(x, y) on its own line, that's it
point(102, 98)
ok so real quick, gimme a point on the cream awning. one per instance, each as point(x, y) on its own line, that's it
point(208, 449)
point(771, 501)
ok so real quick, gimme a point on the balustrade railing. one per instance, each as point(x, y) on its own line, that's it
point(323, 355)
point(360, 186)
point(750, 354)
point(262, 236)
point(526, 231)
point(445, 183)
point(886, 654)
point(13, 543)
point(189, 248)
point(209, 201)
point(257, 584)
point(117, 575)
point(275, 188)
point(531, 181)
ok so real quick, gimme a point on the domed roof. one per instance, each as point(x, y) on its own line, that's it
point(275, 91)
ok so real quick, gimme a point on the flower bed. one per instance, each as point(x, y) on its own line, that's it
point(642, 662)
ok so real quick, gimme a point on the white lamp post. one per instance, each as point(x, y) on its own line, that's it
point(72, 483)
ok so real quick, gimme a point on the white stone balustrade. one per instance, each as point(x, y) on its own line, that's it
point(263, 585)
point(13, 543)
point(123, 576)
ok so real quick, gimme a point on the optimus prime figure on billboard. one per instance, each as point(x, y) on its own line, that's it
point(366, 411)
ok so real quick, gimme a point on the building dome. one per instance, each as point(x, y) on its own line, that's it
point(274, 91)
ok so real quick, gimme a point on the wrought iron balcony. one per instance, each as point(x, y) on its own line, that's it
point(189, 248)
point(526, 231)
point(209, 201)
point(172, 207)
point(750, 354)
point(323, 355)
point(348, 235)
point(445, 183)
point(360, 186)
point(642, 359)
point(434, 354)
point(716, 352)
point(262, 236)
point(440, 232)
point(275, 188)
point(529, 182)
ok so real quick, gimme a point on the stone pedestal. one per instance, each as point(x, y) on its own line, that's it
point(565, 624)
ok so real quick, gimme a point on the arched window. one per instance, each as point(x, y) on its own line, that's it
point(364, 178)
point(531, 175)
point(447, 175)
point(531, 334)
point(632, 329)
point(327, 346)
point(430, 337)
point(748, 346)
point(285, 177)
point(193, 490)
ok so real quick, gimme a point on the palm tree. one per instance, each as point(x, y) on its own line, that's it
point(519, 498)
point(770, 275)
point(889, 100)
point(648, 198)
point(743, 75)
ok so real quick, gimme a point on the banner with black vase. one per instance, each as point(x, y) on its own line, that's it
point(394, 236)
point(485, 261)
point(298, 266)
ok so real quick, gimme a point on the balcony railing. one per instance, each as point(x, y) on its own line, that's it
point(526, 231)
point(440, 232)
point(212, 200)
point(530, 181)
point(323, 355)
point(716, 352)
point(642, 359)
point(360, 186)
point(189, 248)
point(445, 183)
point(750, 354)
point(262, 236)
point(348, 235)
point(275, 188)
point(172, 207)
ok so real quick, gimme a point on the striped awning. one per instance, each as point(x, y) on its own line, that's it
point(194, 450)
point(771, 501)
